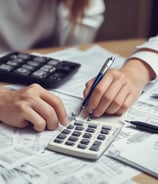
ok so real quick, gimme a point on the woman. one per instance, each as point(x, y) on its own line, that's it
point(26, 24)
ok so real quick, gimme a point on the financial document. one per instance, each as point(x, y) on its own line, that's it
point(146, 108)
point(140, 151)
point(91, 61)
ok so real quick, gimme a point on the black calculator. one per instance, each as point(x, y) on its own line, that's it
point(24, 68)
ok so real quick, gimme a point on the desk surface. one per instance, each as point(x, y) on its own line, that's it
point(124, 48)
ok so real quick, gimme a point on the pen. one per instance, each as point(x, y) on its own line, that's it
point(100, 75)
point(155, 95)
point(144, 126)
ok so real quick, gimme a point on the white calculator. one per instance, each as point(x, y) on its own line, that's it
point(84, 138)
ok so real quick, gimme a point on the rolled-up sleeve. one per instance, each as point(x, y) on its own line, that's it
point(86, 29)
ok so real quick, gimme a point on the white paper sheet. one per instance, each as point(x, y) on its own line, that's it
point(141, 154)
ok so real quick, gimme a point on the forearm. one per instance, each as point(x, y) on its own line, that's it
point(140, 69)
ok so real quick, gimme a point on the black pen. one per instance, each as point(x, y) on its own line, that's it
point(140, 125)
point(100, 75)
point(155, 95)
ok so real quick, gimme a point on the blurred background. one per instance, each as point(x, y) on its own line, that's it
point(125, 19)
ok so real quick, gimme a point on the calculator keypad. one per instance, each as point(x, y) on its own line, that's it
point(84, 139)
point(26, 68)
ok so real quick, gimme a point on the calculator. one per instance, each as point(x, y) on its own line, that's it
point(24, 68)
point(84, 138)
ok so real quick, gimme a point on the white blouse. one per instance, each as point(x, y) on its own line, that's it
point(147, 56)
point(27, 23)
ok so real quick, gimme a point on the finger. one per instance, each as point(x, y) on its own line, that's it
point(118, 101)
point(127, 103)
point(98, 92)
point(58, 107)
point(87, 87)
point(47, 112)
point(19, 124)
point(108, 96)
point(35, 118)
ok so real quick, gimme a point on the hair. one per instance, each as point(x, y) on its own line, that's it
point(77, 8)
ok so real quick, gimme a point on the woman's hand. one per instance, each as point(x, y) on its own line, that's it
point(32, 104)
point(118, 89)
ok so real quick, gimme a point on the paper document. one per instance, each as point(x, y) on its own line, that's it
point(91, 61)
point(146, 108)
point(141, 155)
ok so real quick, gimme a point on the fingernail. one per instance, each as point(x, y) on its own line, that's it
point(90, 115)
point(66, 121)
point(91, 112)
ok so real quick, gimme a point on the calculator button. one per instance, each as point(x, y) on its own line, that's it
point(70, 143)
point(28, 67)
point(87, 135)
point(61, 136)
point(23, 56)
point(14, 56)
point(53, 62)
point(58, 140)
point(12, 63)
point(70, 126)
point(39, 74)
point(48, 68)
point(66, 131)
point(32, 63)
point(78, 123)
point(90, 130)
point(101, 137)
point(82, 146)
point(18, 60)
point(104, 131)
point(92, 125)
point(22, 71)
point(85, 141)
point(106, 127)
point(95, 146)
point(6, 67)
point(79, 128)
point(40, 59)
point(76, 133)
point(73, 138)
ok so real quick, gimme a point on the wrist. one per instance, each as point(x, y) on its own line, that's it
point(139, 69)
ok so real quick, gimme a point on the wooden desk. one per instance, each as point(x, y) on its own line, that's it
point(124, 48)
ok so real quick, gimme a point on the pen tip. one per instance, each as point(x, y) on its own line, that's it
point(80, 110)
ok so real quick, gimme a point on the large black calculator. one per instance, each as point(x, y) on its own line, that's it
point(24, 68)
